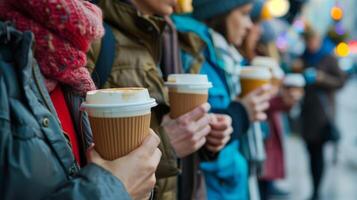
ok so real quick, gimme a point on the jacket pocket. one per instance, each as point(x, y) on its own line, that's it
point(24, 125)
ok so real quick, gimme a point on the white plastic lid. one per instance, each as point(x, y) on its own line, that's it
point(271, 63)
point(294, 80)
point(252, 72)
point(191, 81)
point(125, 99)
point(264, 61)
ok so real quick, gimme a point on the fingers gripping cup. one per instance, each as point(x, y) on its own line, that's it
point(119, 118)
point(252, 78)
point(186, 92)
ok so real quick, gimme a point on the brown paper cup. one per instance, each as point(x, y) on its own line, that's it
point(116, 137)
point(276, 82)
point(248, 85)
point(182, 103)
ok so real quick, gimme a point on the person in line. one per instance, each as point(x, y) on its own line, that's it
point(283, 99)
point(43, 135)
point(324, 78)
point(208, 39)
point(137, 27)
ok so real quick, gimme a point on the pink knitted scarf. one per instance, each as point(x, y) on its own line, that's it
point(63, 32)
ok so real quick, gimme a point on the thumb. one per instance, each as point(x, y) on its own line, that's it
point(196, 113)
point(93, 156)
point(149, 145)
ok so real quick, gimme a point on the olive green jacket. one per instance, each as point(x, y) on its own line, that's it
point(137, 56)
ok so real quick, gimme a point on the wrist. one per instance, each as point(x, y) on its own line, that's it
point(246, 107)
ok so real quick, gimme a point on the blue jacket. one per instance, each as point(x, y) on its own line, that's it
point(226, 177)
point(36, 161)
point(219, 96)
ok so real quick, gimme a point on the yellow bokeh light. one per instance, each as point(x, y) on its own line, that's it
point(342, 49)
point(184, 6)
point(278, 8)
point(336, 13)
point(265, 14)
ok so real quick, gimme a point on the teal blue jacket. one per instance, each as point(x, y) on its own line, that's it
point(226, 177)
point(219, 96)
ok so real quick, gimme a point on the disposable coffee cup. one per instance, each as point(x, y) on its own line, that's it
point(186, 92)
point(119, 118)
point(273, 66)
point(252, 78)
point(294, 80)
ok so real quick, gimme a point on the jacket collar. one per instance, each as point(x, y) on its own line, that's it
point(188, 25)
point(135, 25)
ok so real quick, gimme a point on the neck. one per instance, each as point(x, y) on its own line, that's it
point(142, 7)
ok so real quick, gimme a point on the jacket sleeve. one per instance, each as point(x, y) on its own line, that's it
point(93, 54)
point(240, 119)
point(240, 123)
point(92, 182)
point(277, 104)
point(333, 78)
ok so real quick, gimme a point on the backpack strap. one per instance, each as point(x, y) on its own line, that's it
point(106, 58)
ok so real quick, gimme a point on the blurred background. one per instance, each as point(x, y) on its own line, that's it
point(336, 19)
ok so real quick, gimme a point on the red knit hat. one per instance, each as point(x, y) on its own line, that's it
point(63, 32)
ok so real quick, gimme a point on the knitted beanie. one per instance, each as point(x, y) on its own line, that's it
point(256, 12)
point(260, 11)
point(207, 9)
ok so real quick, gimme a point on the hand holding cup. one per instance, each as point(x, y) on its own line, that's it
point(256, 91)
point(188, 132)
point(257, 102)
point(135, 170)
point(221, 130)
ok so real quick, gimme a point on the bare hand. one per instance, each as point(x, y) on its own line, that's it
point(188, 133)
point(136, 170)
point(257, 102)
point(220, 134)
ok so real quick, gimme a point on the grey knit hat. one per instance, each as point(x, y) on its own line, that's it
point(207, 9)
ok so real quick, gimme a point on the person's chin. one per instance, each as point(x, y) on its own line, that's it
point(238, 43)
point(167, 11)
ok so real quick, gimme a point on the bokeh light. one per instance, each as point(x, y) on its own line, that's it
point(353, 47)
point(282, 42)
point(339, 29)
point(337, 13)
point(184, 6)
point(342, 49)
point(299, 25)
point(278, 8)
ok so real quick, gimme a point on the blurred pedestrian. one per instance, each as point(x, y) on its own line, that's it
point(324, 78)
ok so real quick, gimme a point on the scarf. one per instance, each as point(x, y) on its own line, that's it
point(63, 31)
point(232, 62)
point(171, 57)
